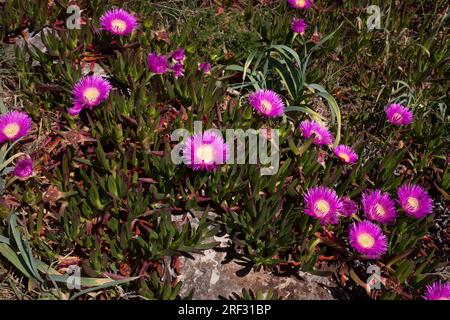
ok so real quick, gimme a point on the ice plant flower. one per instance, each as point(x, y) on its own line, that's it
point(398, 115)
point(23, 168)
point(322, 203)
point(118, 22)
point(322, 136)
point(346, 154)
point(300, 4)
point(368, 239)
point(205, 67)
point(415, 200)
point(267, 103)
point(299, 26)
point(14, 125)
point(90, 91)
point(178, 55)
point(178, 70)
point(378, 206)
point(437, 291)
point(204, 151)
point(348, 207)
point(157, 63)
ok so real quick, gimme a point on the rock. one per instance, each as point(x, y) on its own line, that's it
point(95, 68)
point(210, 278)
point(35, 40)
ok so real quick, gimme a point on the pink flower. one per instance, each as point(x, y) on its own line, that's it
point(118, 22)
point(157, 63)
point(368, 239)
point(299, 26)
point(322, 136)
point(205, 151)
point(398, 115)
point(415, 200)
point(378, 206)
point(90, 91)
point(300, 4)
point(23, 168)
point(346, 153)
point(267, 103)
point(14, 125)
point(322, 203)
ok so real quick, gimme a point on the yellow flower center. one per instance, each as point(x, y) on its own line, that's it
point(380, 210)
point(119, 25)
point(91, 94)
point(344, 156)
point(322, 207)
point(205, 153)
point(266, 106)
point(366, 240)
point(300, 3)
point(11, 130)
point(413, 203)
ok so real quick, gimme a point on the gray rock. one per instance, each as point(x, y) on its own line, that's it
point(35, 40)
point(209, 277)
point(96, 69)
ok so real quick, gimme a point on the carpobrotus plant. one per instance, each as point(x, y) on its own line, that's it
point(157, 63)
point(378, 206)
point(267, 103)
point(346, 153)
point(368, 239)
point(322, 203)
point(14, 125)
point(437, 291)
point(107, 191)
point(299, 26)
point(24, 168)
point(414, 200)
point(398, 115)
point(322, 136)
point(89, 92)
point(300, 4)
point(204, 152)
point(179, 55)
point(118, 22)
point(205, 67)
point(348, 207)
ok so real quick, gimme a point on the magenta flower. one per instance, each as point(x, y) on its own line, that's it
point(300, 4)
point(157, 63)
point(348, 207)
point(322, 136)
point(437, 291)
point(178, 70)
point(118, 21)
point(205, 67)
point(90, 91)
point(75, 109)
point(398, 115)
point(205, 151)
point(415, 200)
point(24, 168)
point(368, 239)
point(267, 103)
point(346, 154)
point(299, 26)
point(14, 125)
point(378, 206)
point(322, 203)
point(178, 55)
